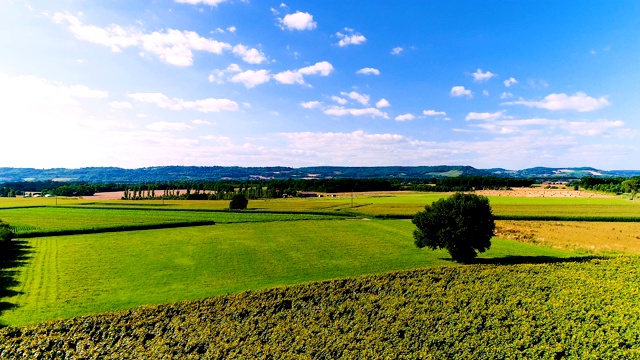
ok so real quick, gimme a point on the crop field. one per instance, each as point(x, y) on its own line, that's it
point(60, 219)
point(545, 289)
point(584, 309)
point(68, 276)
point(584, 237)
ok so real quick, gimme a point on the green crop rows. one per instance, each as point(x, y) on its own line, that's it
point(574, 310)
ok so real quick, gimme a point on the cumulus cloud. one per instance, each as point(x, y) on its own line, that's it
point(200, 122)
point(361, 98)
point(433, 113)
point(580, 102)
point(480, 76)
point(251, 56)
point(120, 105)
point(405, 117)
point(341, 111)
point(397, 50)
point(172, 46)
point(289, 77)
point(506, 95)
point(251, 78)
point(204, 105)
point(298, 21)
point(460, 91)
point(510, 81)
point(322, 68)
point(484, 116)
point(310, 104)
point(350, 38)
point(339, 100)
point(382, 103)
point(168, 126)
point(231, 29)
point(368, 71)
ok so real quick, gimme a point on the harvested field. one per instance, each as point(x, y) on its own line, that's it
point(597, 237)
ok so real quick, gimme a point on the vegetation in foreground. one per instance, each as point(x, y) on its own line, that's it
point(586, 308)
point(69, 276)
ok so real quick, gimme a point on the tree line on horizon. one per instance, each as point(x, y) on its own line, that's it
point(273, 188)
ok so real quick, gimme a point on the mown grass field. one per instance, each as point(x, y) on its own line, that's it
point(68, 276)
point(52, 219)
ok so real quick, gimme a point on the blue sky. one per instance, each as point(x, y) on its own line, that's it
point(511, 84)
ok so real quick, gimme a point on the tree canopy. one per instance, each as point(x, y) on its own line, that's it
point(463, 224)
point(632, 185)
point(5, 232)
point(239, 202)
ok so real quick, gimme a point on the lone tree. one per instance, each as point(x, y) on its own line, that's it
point(461, 223)
point(238, 202)
point(632, 185)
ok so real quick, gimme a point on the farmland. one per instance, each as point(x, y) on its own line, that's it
point(279, 243)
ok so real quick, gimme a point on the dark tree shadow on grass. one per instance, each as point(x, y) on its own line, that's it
point(13, 255)
point(519, 259)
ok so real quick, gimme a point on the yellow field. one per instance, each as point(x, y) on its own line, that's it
point(596, 237)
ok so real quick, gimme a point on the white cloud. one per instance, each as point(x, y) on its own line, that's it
point(383, 103)
point(460, 91)
point(480, 76)
point(251, 78)
point(322, 68)
point(120, 105)
point(361, 98)
point(433, 113)
point(397, 50)
point(204, 105)
point(251, 56)
point(289, 77)
point(339, 100)
point(341, 111)
point(351, 38)
point(174, 47)
point(168, 126)
point(405, 117)
point(231, 29)
point(234, 68)
point(200, 122)
point(484, 116)
point(298, 21)
point(196, 2)
point(485, 92)
point(506, 95)
point(310, 104)
point(580, 102)
point(510, 81)
point(368, 71)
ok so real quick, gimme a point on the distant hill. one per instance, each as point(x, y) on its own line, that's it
point(174, 173)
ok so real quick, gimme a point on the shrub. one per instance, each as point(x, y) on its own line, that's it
point(5, 232)
point(238, 202)
point(462, 224)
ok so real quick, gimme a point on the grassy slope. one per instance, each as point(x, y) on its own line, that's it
point(76, 275)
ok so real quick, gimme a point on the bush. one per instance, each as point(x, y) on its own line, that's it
point(238, 202)
point(461, 223)
point(5, 232)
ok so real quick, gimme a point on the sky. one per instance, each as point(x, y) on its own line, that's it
point(510, 84)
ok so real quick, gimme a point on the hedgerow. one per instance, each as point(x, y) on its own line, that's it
point(585, 308)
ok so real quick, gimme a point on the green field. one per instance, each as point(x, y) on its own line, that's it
point(53, 219)
point(68, 276)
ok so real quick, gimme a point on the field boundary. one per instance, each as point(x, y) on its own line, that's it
point(527, 218)
point(117, 228)
point(248, 211)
